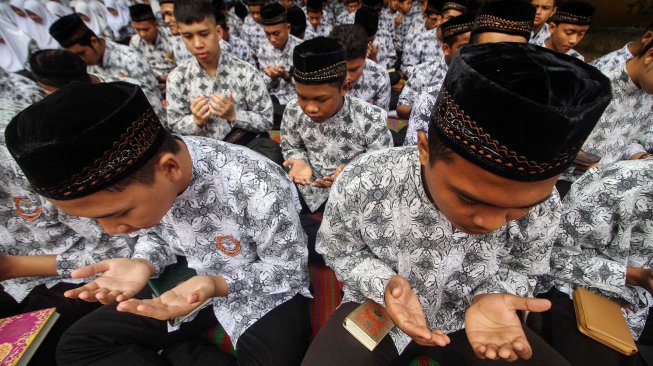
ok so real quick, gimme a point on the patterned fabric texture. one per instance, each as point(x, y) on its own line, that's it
point(425, 47)
point(613, 59)
point(18, 89)
point(424, 75)
point(373, 86)
point(420, 116)
point(541, 36)
point(270, 56)
point(160, 54)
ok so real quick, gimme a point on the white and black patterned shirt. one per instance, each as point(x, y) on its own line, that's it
point(387, 55)
point(379, 222)
point(324, 28)
point(424, 75)
point(19, 89)
point(613, 59)
point(160, 54)
point(234, 23)
point(253, 33)
point(155, 101)
point(424, 48)
point(541, 36)
point(239, 48)
point(269, 55)
point(251, 99)
point(180, 52)
point(356, 128)
point(238, 218)
point(607, 226)
point(122, 61)
point(373, 86)
point(31, 225)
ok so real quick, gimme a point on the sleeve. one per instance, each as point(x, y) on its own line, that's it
point(377, 132)
point(643, 142)
point(151, 247)
point(409, 57)
point(257, 114)
point(88, 251)
point(529, 242)
point(280, 244)
point(340, 241)
point(292, 144)
point(141, 71)
point(419, 119)
point(407, 96)
point(383, 97)
point(180, 118)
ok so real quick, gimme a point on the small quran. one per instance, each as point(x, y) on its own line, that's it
point(369, 323)
point(21, 335)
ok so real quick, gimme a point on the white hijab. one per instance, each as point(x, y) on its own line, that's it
point(15, 49)
point(115, 22)
point(58, 10)
point(41, 32)
point(94, 23)
point(25, 22)
point(8, 15)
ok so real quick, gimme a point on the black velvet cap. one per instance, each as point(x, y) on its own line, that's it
point(320, 60)
point(457, 25)
point(368, 19)
point(254, 2)
point(574, 12)
point(297, 20)
point(273, 14)
point(84, 138)
point(460, 5)
point(515, 17)
point(166, 1)
point(373, 4)
point(519, 110)
point(240, 9)
point(141, 13)
point(69, 30)
point(434, 6)
point(57, 68)
point(314, 6)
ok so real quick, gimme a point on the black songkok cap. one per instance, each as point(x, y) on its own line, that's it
point(368, 19)
point(69, 30)
point(320, 60)
point(166, 2)
point(434, 6)
point(514, 17)
point(373, 4)
point(519, 110)
point(314, 6)
point(460, 5)
point(240, 9)
point(297, 20)
point(574, 12)
point(57, 68)
point(457, 25)
point(273, 14)
point(84, 138)
point(254, 2)
point(141, 13)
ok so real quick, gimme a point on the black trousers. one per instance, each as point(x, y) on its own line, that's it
point(335, 346)
point(70, 310)
point(109, 337)
point(559, 328)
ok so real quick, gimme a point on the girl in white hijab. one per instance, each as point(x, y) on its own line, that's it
point(115, 19)
point(93, 21)
point(14, 47)
point(41, 21)
point(22, 20)
point(57, 9)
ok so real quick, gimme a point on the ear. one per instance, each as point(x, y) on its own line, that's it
point(345, 88)
point(219, 31)
point(288, 27)
point(169, 166)
point(552, 27)
point(423, 147)
point(646, 37)
point(648, 57)
point(446, 49)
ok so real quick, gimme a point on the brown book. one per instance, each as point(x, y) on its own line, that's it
point(369, 323)
point(601, 319)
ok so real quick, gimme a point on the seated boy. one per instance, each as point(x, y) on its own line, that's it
point(230, 211)
point(324, 129)
point(451, 235)
point(568, 26)
point(380, 47)
point(216, 93)
point(366, 79)
point(605, 244)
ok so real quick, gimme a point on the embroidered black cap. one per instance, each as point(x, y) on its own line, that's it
point(519, 110)
point(69, 30)
point(141, 13)
point(84, 138)
point(460, 5)
point(320, 60)
point(574, 12)
point(273, 14)
point(457, 25)
point(515, 17)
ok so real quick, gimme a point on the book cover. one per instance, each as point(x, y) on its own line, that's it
point(369, 323)
point(21, 335)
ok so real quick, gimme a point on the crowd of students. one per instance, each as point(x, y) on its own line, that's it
point(138, 133)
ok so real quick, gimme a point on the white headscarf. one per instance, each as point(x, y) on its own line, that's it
point(115, 22)
point(15, 49)
point(7, 14)
point(25, 22)
point(94, 23)
point(41, 32)
point(58, 10)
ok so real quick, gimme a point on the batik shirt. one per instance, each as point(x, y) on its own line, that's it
point(373, 86)
point(613, 59)
point(240, 49)
point(19, 89)
point(541, 36)
point(626, 126)
point(387, 55)
point(253, 33)
point(346, 18)
point(180, 52)
point(425, 47)
point(31, 225)
point(420, 115)
point(387, 23)
point(423, 76)
point(160, 54)
point(323, 29)
point(234, 23)
point(412, 19)
point(155, 101)
point(269, 55)
point(251, 99)
point(238, 218)
point(607, 226)
point(122, 61)
point(356, 128)
point(379, 222)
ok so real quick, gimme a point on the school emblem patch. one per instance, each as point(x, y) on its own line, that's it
point(228, 245)
point(27, 209)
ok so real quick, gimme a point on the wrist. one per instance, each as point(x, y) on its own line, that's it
point(148, 264)
point(220, 285)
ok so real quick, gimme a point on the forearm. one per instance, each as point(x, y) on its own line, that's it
point(638, 276)
point(27, 266)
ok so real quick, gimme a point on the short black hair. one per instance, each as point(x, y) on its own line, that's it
point(439, 149)
point(353, 38)
point(193, 11)
point(453, 39)
point(145, 175)
point(58, 68)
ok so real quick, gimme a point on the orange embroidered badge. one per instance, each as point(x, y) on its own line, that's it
point(27, 209)
point(228, 245)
